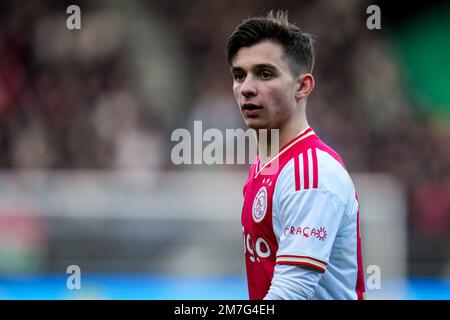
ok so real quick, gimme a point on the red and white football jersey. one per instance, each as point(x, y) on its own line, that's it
point(301, 208)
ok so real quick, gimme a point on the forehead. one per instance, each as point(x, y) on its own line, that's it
point(267, 52)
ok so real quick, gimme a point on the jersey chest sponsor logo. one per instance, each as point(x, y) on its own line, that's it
point(257, 250)
point(306, 232)
point(260, 205)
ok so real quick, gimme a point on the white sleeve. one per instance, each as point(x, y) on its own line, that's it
point(291, 282)
point(309, 221)
point(306, 223)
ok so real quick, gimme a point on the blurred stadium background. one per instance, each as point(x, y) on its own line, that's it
point(86, 118)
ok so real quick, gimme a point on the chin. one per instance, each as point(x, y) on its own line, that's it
point(255, 125)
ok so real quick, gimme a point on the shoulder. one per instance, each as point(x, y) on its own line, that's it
point(333, 175)
point(316, 167)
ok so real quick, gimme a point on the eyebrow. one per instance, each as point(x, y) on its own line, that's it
point(256, 67)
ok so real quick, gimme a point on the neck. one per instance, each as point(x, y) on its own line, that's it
point(268, 148)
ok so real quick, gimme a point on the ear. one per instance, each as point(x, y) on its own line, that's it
point(306, 84)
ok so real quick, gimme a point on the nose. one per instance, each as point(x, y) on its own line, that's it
point(248, 88)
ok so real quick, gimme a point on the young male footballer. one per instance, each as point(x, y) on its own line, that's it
point(301, 220)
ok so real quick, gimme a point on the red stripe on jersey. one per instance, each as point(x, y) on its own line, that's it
point(305, 170)
point(305, 257)
point(360, 286)
point(303, 263)
point(296, 173)
point(315, 168)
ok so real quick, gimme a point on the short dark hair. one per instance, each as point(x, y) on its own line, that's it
point(298, 45)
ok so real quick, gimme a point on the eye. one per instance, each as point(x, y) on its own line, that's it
point(238, 77)
point(265, 75)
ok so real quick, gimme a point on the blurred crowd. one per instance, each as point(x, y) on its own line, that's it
point(109, 95)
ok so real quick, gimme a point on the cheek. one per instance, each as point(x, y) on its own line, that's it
point(280, 99)
point(236, 90)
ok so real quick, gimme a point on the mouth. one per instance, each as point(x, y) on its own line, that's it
point(251, 110)
point(250, 107)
